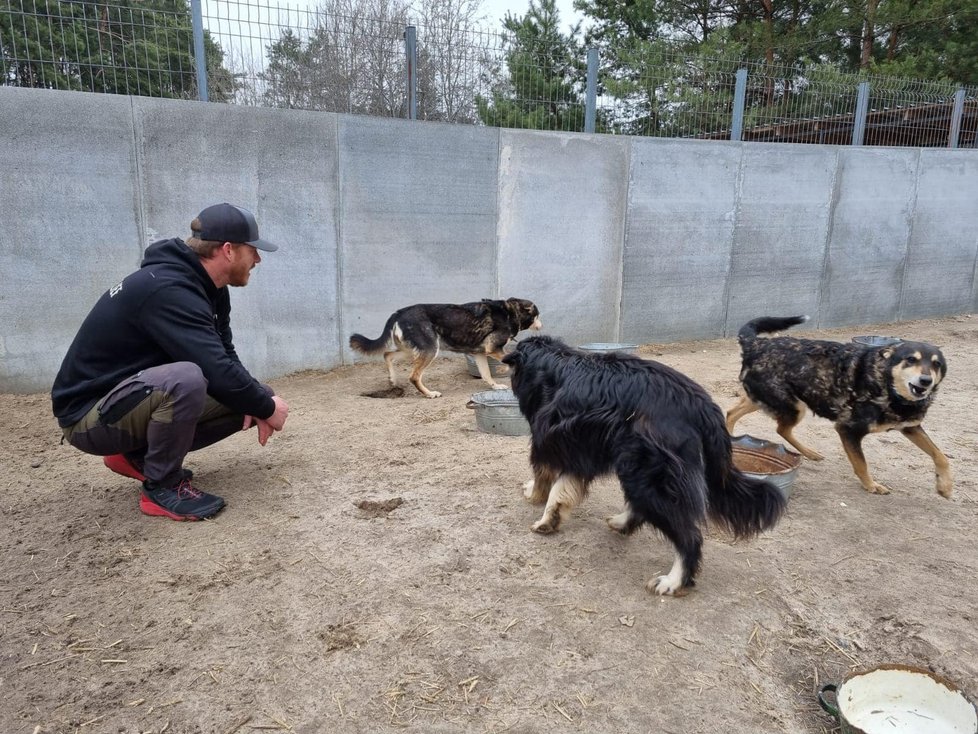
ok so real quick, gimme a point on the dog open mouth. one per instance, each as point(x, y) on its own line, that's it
point(917, 391)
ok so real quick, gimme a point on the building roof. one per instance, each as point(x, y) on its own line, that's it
point(925, 125)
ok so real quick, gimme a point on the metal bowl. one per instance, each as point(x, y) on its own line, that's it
point(498, 411)
point(762, 459)
point(496, 368)
point(610, 347)
point(877, 341)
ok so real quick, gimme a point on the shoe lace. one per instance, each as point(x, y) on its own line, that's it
point(185, 490)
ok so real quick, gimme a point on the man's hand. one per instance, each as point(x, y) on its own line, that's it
point(268, 426)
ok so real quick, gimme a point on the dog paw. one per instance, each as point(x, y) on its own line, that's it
point(877, 488)
point(618, 522)
point(433, 394)
point(531, 495)
point(813, 455)
point(543, 527)
point(664, 586)
point(498, 386)
point(944, 487)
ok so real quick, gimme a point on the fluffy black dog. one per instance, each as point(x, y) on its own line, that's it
point(657, 430)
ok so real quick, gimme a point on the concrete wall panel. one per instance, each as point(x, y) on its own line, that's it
point(781, 233)
point(682, 200)
point(561, 217)
point(280, 164)
point(870, 232)
point(615, 238)
point(68, 224)
point(419, 217)
point(940, 272)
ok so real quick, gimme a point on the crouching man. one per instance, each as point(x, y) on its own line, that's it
point(152, 373)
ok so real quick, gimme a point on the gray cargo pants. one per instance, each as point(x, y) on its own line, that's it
point(156, 417)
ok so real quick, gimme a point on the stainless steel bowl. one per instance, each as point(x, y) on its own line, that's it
point(496, 368)
point(762, 459)
point(610, 347)
point(877, 341)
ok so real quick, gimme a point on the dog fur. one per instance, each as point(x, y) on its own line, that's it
point(657, 430)
point(860, 389)
point(481, 328)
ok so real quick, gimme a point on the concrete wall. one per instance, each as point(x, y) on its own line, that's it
point(615, 238)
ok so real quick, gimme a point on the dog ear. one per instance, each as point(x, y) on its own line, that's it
point(514, 358)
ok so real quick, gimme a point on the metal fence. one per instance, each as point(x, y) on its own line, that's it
point(259, 53)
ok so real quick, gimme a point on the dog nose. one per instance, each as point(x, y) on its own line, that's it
point(925, 380)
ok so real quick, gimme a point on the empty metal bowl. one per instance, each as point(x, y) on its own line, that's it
point(610, 347)
point(877, 341)
point(496, 368)
point(762, 459)
point(498, 411)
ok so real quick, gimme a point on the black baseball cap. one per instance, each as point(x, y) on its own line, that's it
point(229, 223)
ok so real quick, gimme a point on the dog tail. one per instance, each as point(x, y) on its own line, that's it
point(374, 346)
point(767, 324)
point(743, 505)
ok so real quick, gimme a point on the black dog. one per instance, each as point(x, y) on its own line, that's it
point(657, 430)
point(481, 329)
point(860, 389)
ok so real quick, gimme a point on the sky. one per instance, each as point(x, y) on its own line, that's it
point(497, 9)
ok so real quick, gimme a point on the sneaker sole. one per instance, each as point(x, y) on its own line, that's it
point(119, 465)
point(148, 507)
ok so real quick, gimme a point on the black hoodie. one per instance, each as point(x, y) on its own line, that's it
point(167, 311)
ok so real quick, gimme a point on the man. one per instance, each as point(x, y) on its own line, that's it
point(152, 373)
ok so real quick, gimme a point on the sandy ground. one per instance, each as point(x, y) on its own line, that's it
point(375, 571)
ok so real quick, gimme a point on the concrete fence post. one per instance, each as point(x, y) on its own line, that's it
point(862, 110)
point(200, 58)
point(411, 54)
point(955, 133)
point(591, 96)
point(739, 101)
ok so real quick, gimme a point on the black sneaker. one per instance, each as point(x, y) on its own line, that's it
point(182, 502)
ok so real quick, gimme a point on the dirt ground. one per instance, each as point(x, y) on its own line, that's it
point(375, 571)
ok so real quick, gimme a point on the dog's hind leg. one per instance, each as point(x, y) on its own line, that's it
point(537, 490)
point(786, 425)
point(852, 443)
point(745, 406)
point(567, 493)
point(667, 489)
point(482, 363)
point(625, 522)
point(418, 366)
point(389, 359)
point(919, 438)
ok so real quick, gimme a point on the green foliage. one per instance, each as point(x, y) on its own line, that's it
point(546, 74)
point(142, 47)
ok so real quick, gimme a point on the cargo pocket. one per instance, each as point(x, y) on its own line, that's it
point(121, 402)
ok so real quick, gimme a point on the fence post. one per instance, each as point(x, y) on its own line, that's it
point(411, 52)
point(739, 100)
point(591, 95)
point(862, 109)
point(952, 140)
point(200, 59)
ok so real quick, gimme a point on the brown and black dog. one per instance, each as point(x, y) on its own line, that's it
point(480, 328)
point(860, 389)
